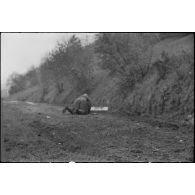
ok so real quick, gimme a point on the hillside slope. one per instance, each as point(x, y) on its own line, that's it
point(169, 95)
point(175, 92)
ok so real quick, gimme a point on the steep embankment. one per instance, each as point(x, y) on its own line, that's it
point(172, 94)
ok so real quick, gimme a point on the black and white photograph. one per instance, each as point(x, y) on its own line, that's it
point(97, 97)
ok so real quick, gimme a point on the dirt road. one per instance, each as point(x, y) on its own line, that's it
point(40, 133)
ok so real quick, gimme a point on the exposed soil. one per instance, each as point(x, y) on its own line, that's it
point(40, 133)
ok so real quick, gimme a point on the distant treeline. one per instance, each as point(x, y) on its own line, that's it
point(125, 55)
point(69, 59)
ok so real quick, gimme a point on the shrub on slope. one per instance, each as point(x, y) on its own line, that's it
point(168, 89)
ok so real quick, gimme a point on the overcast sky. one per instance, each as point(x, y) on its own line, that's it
point(19, 51)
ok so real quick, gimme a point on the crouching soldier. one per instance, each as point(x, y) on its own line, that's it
point(81, 105)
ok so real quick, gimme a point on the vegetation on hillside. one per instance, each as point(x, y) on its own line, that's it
point(144, 86)
point(169, 88)
point(127, 55)
point(18, 82)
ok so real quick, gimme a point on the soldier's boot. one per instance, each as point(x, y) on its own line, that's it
point(68, 109)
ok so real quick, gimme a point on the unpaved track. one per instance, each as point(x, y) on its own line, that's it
point(40, 133)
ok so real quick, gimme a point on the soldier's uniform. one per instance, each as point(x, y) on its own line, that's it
point(81, 105)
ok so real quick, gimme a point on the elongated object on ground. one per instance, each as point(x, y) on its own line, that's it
point(32, 103)
point(99, 108)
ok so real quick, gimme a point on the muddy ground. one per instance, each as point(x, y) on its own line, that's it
point(40, 133)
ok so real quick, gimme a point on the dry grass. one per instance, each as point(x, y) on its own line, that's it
point(29, 136)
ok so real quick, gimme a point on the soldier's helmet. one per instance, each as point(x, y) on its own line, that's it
point(86, 96)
